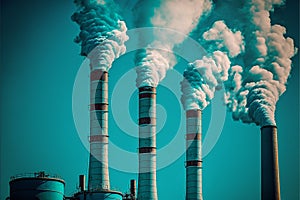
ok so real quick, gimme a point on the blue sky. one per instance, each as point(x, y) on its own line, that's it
point(38, 69)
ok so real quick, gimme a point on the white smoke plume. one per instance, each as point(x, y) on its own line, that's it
point(225, 39)
point(102, 33)
point(267, 65)
point(203, 77)
point(177, 15)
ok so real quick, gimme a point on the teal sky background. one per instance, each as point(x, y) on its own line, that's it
point(38, 66)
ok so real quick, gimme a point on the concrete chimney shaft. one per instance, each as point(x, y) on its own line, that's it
point(193, 155)
point(98, 163)
point(147, 144)
point(270, 184)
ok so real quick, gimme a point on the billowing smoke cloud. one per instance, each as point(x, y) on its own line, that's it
point(203, 77)
point(225, 39)
point(252, 91)
point(177, 15)
point(236, 97)
point(102, 33)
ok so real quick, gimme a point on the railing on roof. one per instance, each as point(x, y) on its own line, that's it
point(40, 174)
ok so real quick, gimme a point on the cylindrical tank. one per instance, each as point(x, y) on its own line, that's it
point(147, 144)
point(101, 195)
point(193, 155)
point(36, 186)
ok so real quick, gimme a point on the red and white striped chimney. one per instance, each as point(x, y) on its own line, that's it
point(147, 144)
point(270, 184)
point(98, 163)
point(193, 155)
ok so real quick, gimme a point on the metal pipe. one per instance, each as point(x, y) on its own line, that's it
point(147, 144)
point(193, 155)
point(270, 184)
point(98, 163)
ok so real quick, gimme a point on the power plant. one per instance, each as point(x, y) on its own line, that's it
point(46, 187)
point(251, 61)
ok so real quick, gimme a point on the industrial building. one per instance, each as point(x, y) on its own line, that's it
point(43, 186)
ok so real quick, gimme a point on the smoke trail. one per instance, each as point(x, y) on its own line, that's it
point(203, 77)
point(102, 33)
point(177, 15)
point(267, 65)
point(235, 96)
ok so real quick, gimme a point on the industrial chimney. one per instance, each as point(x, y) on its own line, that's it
point(132, 188)
point(270, 185)
point(98, 163)
point(132, 194)
point(193, 155)
point(147, 144)
point(82, 183)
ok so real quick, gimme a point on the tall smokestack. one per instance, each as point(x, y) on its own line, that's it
point(147, 144)
point(270, 185)
point(193, 155)
point(102, 37)
point(98, 163)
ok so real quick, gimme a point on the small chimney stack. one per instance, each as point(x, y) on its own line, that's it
point(82, 182)
point(270, 184)
point(132, 188)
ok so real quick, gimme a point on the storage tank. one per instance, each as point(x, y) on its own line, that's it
point(98, 195)
point(35, 186)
